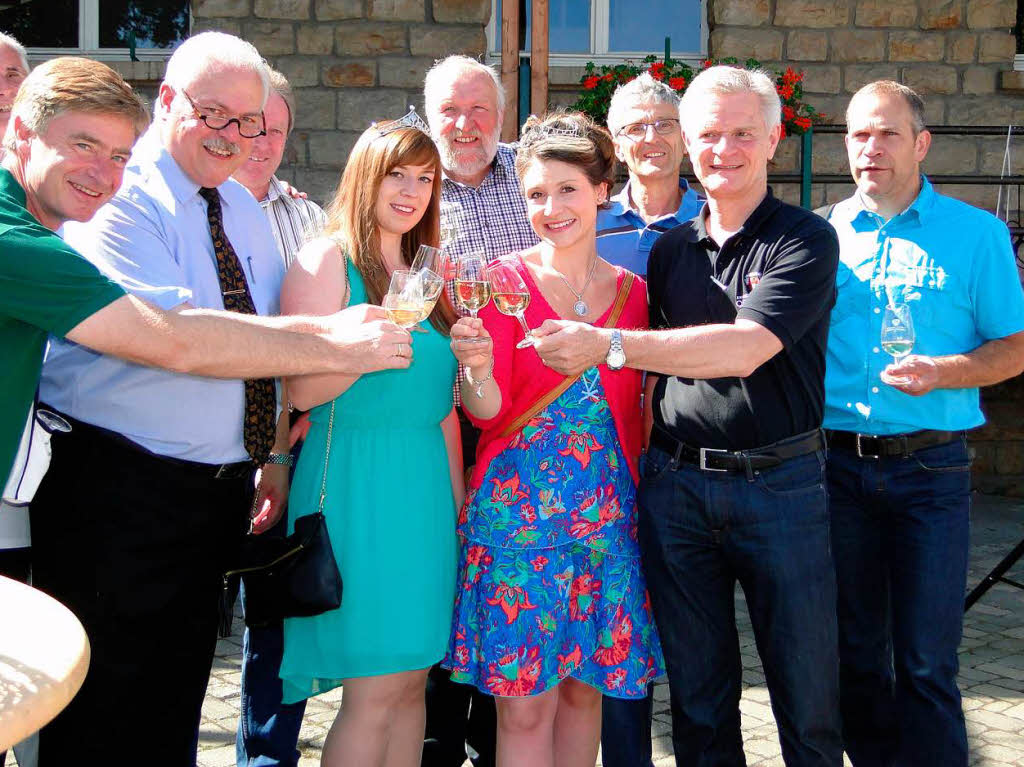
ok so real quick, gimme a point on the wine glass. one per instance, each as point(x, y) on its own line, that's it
point(897, 336)
point(451, 218)
point(511, 296)
point(404, 303)
point(472, 288)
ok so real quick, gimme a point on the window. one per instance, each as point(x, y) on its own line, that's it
point(607, 31)
point(103, 29)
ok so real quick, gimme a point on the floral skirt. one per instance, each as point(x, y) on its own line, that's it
point(527, 617)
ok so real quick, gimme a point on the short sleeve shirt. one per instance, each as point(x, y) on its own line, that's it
point(953, 265)
point(779, 271)
point(45, 287)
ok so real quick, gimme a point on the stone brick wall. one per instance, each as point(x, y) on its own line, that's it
point(349, 61)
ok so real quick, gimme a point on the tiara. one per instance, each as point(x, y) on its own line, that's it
point(540, 132)
point(409, 120)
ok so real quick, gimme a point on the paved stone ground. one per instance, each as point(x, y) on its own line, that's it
point(991, 671)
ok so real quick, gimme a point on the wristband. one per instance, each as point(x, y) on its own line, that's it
point(282, 459)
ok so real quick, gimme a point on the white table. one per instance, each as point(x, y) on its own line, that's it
point(44, 656)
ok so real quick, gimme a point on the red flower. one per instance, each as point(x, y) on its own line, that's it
point(613, 646)
point(515, 674)
point(803, 122)
point(786, 91)
point(613, 679)
point(658, 75)
point(569, 662)
point(658, 66)
point(608, 77)
point(511, 599)
point(706, 63)
point(677, 83)
point(579, 446)
point(788, 113)
point(461, 655)
point(782, 131)
point(583, 595)
point(528, 513)
point(539, 562)
point(507, 492)
point(591, 82)
point(477, 562)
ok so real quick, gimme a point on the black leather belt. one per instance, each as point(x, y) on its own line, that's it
point(239, 470)
point(711, 459)
point(890, 446)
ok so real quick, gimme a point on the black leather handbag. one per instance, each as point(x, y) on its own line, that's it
point(291, 577)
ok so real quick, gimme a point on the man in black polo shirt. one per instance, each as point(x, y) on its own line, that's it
point(732, 487)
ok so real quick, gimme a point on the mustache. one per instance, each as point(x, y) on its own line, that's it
point(220, 144)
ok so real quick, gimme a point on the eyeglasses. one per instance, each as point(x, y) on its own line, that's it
point(638, 131)
point(248, 127)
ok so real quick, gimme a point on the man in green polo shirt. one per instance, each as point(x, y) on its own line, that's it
point(71, 132)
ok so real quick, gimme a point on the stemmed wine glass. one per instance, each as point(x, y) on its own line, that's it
point(511, 296)
point(451, 217)
point(430, 267)
point(897, 336)
point(472, 288)
point(405, 302)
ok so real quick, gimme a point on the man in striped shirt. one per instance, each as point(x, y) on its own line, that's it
point(267, 730)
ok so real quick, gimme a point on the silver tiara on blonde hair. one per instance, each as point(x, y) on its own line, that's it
point(409, 120)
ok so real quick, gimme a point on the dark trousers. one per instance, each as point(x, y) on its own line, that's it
point(458, 714)
point(700, 533)
point(626, 731)
point(268, 730)
point(900, 536)
point(135, 546)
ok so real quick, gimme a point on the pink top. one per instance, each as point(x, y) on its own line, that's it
point(523, 379)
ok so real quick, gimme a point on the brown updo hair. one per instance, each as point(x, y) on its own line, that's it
point(569, 137)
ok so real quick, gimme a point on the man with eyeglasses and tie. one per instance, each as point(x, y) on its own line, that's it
point(179, 450)
point(643, 118)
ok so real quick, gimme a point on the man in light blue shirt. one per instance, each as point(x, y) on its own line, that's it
point(898, 468)
point(643, 118)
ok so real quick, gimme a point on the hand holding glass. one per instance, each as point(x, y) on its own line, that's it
point(511, 296)
point(897, 337)
point(472, 288)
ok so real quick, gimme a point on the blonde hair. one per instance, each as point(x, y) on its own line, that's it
point(723, 79)
point(352, 219)
point(73, 84)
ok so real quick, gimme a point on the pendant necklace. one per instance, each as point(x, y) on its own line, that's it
point(580, 307)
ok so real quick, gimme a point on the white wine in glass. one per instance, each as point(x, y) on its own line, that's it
point(511, 296)
point(404, 302)
point(897, 337)
point(472, 288)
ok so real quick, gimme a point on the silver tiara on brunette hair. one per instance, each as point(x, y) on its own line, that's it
point(555, 129)
point(409, 120)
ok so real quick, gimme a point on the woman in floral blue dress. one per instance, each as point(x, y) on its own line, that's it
point(552, 608)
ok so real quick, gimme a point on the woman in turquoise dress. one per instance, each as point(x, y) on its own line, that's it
point(393, 478)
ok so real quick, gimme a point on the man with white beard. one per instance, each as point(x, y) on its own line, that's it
point(482, 204)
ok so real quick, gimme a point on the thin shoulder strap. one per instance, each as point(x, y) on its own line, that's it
point(550, 396)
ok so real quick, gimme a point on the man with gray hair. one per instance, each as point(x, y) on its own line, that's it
point(149, 494)
point(898, 465)
point(732, 487)
point(483, 209)
point(643, 119)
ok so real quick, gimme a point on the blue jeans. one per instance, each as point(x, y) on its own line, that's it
point(626, 731)
point(700, 533)
point(900, 535)
point(267, 730)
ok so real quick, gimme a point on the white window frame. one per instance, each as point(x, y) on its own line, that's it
point(600, 11)
point(89, 40)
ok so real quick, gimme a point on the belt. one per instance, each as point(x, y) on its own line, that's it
point(890, 446)
point(239, 470)
point(712, 459)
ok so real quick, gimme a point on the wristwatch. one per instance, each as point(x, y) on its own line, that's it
point(282, 459)
point(616, 356)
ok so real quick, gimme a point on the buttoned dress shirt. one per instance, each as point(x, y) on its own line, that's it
point(153, 238)
point(625, 239)
point(294, 221)
point(954, 266)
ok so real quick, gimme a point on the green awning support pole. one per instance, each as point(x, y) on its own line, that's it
point(806, 152)
point(131, 45)
point(524, 92)
point(668, 49)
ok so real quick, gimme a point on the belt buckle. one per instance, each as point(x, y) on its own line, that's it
point(860, 447)
point(703, 453)
point(227, 471)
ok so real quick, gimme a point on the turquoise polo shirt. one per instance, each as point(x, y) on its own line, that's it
point(953, 265)
point(625, 239)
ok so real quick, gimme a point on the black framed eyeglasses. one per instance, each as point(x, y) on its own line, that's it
point(248, 127)
point(638, 131)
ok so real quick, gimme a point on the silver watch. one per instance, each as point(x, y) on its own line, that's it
point(616, 356)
